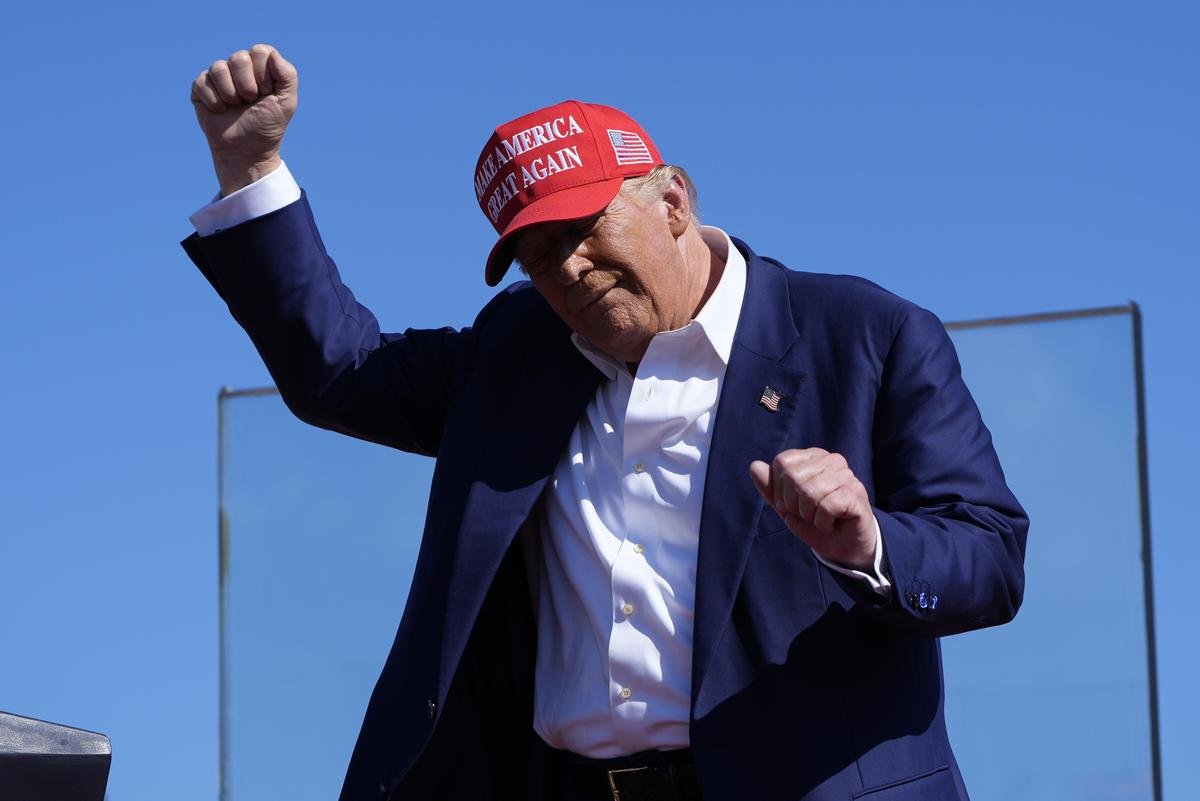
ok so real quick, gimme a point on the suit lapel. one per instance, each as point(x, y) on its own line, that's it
point(546, 401)
point(745, 430)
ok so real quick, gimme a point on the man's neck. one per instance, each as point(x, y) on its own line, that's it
point(705, 257)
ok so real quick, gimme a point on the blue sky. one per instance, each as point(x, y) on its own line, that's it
point(981, 160)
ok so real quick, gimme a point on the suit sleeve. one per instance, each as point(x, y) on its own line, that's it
point(954, 534)
point(324, 350)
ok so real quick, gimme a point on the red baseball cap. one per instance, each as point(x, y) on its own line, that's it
point(561, 162)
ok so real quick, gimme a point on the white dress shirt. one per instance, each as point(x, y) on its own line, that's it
point(620, 522)
point(620, 533)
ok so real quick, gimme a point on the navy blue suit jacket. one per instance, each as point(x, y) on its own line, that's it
point(804, 685)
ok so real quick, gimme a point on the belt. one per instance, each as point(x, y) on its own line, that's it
point(646, 776)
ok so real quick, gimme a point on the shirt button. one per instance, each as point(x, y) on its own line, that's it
point(638, 547)
point(626, 693)
point(627, 609)
point(639, 468)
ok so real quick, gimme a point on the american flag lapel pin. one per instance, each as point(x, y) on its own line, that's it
point(770, 399)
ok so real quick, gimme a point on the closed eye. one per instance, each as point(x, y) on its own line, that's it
point(537, 263)
point(555, 238)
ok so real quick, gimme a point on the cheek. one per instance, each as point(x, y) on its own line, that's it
point(654, 251)
point(656, 281)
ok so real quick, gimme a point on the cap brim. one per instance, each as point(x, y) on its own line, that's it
point(565, 204)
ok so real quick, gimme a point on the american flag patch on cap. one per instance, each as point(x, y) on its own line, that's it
point(629, 147)
point(770, 399)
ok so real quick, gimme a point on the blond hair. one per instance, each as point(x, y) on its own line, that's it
point(654, 183)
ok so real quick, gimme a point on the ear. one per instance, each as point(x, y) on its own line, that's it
point(679, 206)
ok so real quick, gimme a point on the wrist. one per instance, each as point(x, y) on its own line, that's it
point(235, 172)
point(863, 556)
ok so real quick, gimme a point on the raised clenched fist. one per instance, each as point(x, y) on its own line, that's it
point(823, 503)
point(244, 104)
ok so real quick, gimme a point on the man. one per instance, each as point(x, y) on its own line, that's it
point(697, 519)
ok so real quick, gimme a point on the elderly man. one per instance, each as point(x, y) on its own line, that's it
point(697, 519)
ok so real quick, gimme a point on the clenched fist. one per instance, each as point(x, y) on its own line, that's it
point(244, 104)
point(823, 503)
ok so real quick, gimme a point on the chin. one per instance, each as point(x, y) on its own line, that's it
point(615, 328)
point(623, 345)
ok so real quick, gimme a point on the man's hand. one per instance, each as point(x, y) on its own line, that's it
point(244, 104)
point(822, 502)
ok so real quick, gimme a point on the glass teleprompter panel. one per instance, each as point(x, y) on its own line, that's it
point(1057, 704)
point(319, 535)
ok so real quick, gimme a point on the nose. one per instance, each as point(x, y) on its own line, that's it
point(575, 265)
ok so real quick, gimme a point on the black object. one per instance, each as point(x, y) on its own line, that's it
point(645, 776)
point(42, 761)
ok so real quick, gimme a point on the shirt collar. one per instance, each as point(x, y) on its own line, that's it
point(717, 319)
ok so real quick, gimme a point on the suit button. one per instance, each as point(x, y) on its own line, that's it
point(627, 609)
point(431, 706)
point(640, 467)
point(626, 693)
point(638, 547)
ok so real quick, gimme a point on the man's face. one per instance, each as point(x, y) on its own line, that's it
point(613, 277)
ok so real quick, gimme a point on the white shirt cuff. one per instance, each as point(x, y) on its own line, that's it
point(269, 193)
point(876, 580)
